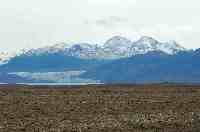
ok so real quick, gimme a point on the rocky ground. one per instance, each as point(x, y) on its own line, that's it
point(150, 108)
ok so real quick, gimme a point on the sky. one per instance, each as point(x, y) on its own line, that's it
point(37, 23)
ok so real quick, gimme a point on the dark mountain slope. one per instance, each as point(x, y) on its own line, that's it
point(48, 62)
point(153, 67)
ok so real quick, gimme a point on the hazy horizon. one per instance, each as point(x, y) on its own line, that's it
point(35, 23)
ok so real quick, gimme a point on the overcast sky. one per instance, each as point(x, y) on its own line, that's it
point(36, 23)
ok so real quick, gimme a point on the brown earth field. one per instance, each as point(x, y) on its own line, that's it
point(92, 108)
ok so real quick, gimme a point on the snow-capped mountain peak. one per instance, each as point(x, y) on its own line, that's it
point(117, 41)
point(171, 47)
point(5, 57)
point(115, 48)
point(61, 45)
point(174, 44)
point(83, 51)
point(147, 40)
point(82, 46)
point(147, 44)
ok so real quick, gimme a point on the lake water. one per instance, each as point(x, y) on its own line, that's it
point(58, 84)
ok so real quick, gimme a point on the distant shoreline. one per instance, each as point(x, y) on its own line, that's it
point(96, 84)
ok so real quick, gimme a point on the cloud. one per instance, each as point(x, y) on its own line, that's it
point(168, 29)
point(186, 34)
point(111, 2)
point(35, 23)
point(110, 22)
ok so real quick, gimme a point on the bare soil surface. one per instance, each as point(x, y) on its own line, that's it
point(117, 108)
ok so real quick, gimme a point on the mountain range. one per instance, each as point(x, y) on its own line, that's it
point(115, 48)
point(118, 60)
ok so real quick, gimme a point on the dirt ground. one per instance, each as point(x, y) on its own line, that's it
point(117, 108)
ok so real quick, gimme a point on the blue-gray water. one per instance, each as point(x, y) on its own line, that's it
point(57, 84)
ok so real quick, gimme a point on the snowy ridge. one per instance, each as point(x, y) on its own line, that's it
point(5, 57)
point(115, 48)
point(84, 51)
point(48, 49)
point(146, 44)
